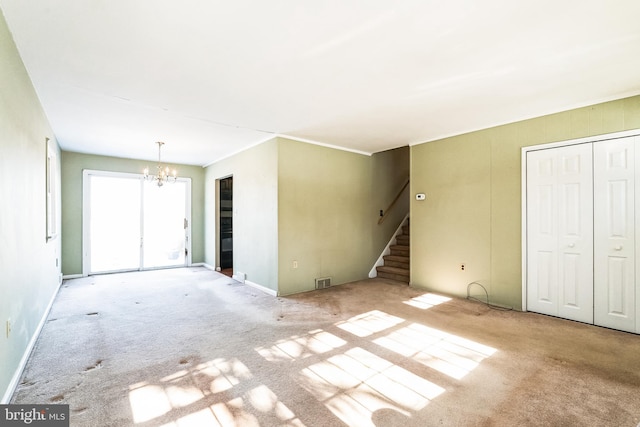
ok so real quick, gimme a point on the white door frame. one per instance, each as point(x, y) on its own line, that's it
point(523, 159)
point(86, 197)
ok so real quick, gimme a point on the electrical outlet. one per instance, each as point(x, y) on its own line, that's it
point(8, 327)
point(295, 264)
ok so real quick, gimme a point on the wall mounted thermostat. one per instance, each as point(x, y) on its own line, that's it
point(421, 196)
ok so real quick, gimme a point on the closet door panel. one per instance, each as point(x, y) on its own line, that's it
point(575, 232)
point(636, 143)
point(614, 239)
point(542, 252)
point(559, 232)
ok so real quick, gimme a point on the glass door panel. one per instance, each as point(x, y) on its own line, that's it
point(114, 225)
point(164, 213)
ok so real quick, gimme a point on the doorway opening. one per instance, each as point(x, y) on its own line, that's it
point(225, 226)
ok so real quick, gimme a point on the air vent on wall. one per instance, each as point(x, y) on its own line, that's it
point(322, 283)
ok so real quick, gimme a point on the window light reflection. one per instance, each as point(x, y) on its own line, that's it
point(183, 396)
point(204, 417)
point(298, 347)
point(427, 301)
point(148, 402)
point(179, 390)
point(357, 383)
point(449, 354)
point(369, 323)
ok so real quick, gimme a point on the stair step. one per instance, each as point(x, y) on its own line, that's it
point(404, 265)
point(393, 273)
point(396, 261)
point(405, 229)
point(402, 250)
point(400, 258)
point(402, 239)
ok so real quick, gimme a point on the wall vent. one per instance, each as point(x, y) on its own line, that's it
point(322, 283)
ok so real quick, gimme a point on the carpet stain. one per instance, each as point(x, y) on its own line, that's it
point(556, 360)
point(96, 365)
point(79, 410)
point(94, 313)
point(57, 398)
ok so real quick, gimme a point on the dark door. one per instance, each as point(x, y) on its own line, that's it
point(226, 223)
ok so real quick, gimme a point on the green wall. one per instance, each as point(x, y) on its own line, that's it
point(324, 216)
point(472, 214)
point(318, 206)
point(28, 262)
point(329, 202)
point(72, 166)
point(255, 213)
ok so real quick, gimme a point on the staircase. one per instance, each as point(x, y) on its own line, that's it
point(396, 264)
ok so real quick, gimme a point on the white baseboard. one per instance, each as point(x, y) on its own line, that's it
point(207, 266)
point(261, 288)
point(241, 278)
point(25, 357)
point(72, 276)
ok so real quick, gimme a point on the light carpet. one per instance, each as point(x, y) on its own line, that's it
point(191, 347)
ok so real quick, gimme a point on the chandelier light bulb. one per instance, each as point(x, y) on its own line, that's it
point(164, 173)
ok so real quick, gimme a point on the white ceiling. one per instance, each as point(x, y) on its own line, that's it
point(211, 78)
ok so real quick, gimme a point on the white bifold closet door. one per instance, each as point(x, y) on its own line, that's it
point(560, 232)
point(583, 212)
point(615, 231)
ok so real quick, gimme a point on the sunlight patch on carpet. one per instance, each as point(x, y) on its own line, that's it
point(369, 323)
point(225, 373)
point(356, 384)
point(266, 401)
point(301, 346)
point(446, 353)
point(148, 402)
point(427, 301)
point(187, 388)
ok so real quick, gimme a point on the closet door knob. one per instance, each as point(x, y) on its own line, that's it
point(618, 248)
point(571, 245)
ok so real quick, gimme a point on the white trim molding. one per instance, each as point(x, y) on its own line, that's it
point(241, 277)
point(322, 144)
point(261, 288)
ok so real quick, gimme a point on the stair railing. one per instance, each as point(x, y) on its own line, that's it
point(383, 214)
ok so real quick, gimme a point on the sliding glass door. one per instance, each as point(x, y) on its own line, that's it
point(114, 227)
point(132, 224)
point(164, 225)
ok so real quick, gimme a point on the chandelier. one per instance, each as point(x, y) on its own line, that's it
point(164, 174)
